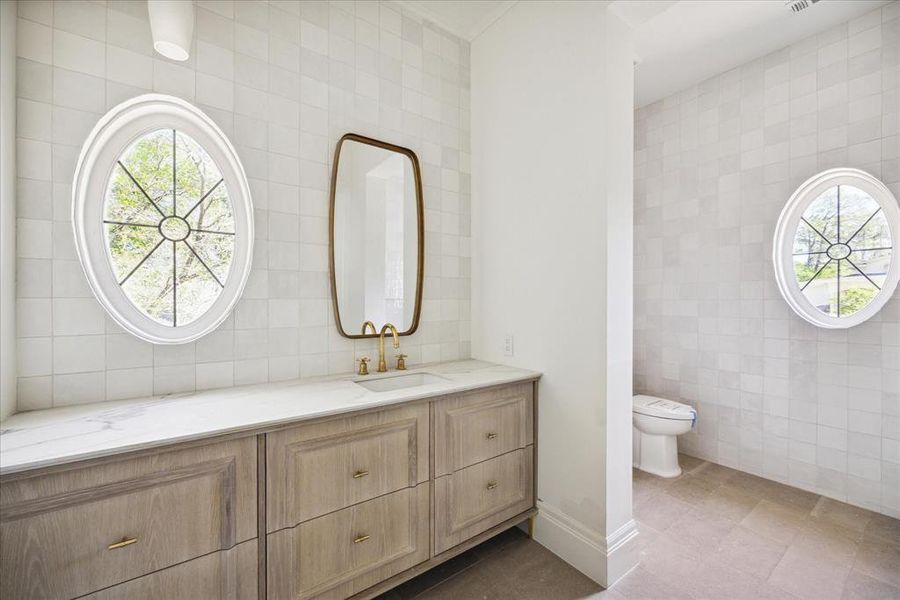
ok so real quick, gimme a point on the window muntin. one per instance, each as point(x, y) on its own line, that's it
point(834, 248)
point(163, 219)
point(169, 227)
point(842, 251)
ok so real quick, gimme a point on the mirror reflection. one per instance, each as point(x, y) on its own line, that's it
point(376, 236)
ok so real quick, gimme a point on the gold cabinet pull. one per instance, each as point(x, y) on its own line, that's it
point(491, 436)
point(491, 485)
point(360, 474)
point(361, 539)
point(121, 544)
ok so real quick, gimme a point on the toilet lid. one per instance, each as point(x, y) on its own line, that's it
point(663, 408)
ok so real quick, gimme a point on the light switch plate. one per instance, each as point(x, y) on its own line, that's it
point(508, 345)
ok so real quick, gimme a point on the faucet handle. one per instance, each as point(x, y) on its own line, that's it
point(401, 362)
point(363, 365)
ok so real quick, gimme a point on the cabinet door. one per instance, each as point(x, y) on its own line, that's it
point(74, 532)
point(479, 425)
point(340, 554)
point(478, 497)
point(322, 467)
point(225, 575)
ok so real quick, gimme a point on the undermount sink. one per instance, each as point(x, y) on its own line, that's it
point(399, 382)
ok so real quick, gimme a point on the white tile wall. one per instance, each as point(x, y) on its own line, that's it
point(284, 80)
point(714, 165)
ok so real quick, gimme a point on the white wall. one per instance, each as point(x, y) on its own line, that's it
point(7, 208)
point(551, 154)
point(284, 80)
point(714, 166)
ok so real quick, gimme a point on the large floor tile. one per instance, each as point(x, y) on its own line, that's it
point(729, 503)
point(884, 528)
point(879, 559)
point(700, 532)
point(809, 576)
point(774, 521)
point(641, 584)
point(752, 485)
point(747, 551)
point(646, 535)
point(713, 473)
point(661, 511)
point(712, 533)
point(690, 463)
point(670, 560)
point(852, 518)
point(716, 581)
point(646, 486)
point(471, 583)
point(862, 587)
point(642, 494)
point(795, 499)
point(691, 489)
point(828, 541)
point(532, 572)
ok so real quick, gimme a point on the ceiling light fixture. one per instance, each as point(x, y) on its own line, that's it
point(172, 25)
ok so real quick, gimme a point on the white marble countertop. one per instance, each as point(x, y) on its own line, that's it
point(56, 436)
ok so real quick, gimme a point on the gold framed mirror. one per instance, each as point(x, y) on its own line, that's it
point(376, 237)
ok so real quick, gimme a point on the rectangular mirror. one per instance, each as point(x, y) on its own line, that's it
point(377, 236)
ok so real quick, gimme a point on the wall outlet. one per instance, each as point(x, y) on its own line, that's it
point(508, 345)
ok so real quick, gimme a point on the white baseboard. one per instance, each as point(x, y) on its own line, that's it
point(605, 560)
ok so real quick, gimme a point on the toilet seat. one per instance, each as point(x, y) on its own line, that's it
point(662, 408)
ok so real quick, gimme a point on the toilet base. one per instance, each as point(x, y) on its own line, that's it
point(655, 454)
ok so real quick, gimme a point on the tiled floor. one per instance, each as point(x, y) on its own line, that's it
point(711, 534)
point(508, 567)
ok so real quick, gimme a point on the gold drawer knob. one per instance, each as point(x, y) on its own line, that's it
point(121, 544)
point(360, 474)
point(361, 539)
point(491, 485)
point(491, 436)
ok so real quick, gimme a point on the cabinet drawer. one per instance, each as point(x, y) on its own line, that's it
point(74, 532)
point(473, 427)
point(343, 553)
point(226, 575)
point(322, 467)
point(478, 497)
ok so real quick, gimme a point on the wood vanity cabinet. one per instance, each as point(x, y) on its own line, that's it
point(80, 529)
point(483, 457)
point(333, 508)
point(348, 502)
point(357, 504)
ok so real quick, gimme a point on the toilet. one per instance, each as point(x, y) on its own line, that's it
point(656, 422)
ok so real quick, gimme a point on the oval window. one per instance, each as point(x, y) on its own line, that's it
point(834, 248)
point(163, 219)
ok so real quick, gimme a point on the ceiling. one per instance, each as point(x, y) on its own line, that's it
point(465, 18)
point(681, 43)
point(678, 43)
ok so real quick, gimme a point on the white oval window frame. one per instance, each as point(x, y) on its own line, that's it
point(112, 135)
point(786, 229)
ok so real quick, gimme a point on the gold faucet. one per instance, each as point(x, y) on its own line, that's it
point(382, 366)
point(369, 324)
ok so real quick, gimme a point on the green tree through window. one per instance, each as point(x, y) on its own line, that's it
point(842, 250)
point(169, 227)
